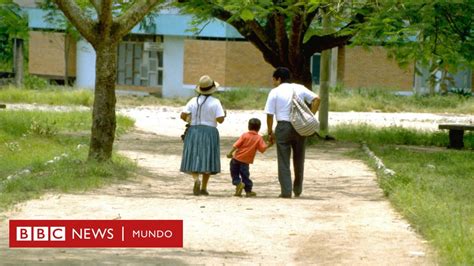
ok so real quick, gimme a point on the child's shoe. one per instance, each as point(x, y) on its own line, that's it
point(238, 189)
point(250, 194)
point(204, 192)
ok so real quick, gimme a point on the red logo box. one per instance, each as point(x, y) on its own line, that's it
point(96, 233)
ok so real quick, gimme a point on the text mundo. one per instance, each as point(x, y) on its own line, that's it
point(152, 234)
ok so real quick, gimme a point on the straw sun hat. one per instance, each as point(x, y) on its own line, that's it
point(206, 85)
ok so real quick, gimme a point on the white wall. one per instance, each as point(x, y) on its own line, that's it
point(85, 65)
point(173, 68)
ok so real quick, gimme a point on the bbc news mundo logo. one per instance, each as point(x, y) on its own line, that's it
point(96, 233)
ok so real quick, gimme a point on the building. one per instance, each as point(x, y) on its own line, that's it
point(169, 59)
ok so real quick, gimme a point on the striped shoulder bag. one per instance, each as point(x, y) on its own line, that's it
point(302, 119)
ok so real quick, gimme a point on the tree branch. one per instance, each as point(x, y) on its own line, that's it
point(76, 16)
point(96, 5)
point(296, 37)
point(105, 15)
point(281, 37)
point(317, 44)
point(135, 14)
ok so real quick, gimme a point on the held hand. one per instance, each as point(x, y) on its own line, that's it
point(271, 138)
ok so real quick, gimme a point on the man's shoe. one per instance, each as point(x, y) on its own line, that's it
point(197, 187)
point(285, 196)
point(204, 192)
point(238, 189)
point(250, 194)
point(297, 195)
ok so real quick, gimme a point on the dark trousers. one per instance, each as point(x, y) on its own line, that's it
point(240, 173)
point(287, 139)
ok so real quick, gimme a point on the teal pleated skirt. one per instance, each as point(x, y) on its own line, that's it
point(201, 152)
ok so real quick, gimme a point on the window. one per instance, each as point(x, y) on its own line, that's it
point(140, 64)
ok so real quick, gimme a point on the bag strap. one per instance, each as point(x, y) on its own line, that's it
point(199, 108)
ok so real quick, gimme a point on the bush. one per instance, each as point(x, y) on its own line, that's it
point(32, 82)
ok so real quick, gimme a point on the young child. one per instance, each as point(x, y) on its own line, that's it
point(246, 146)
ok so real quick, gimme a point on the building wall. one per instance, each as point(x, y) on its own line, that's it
point(363, 68)
point(245, 66)
point(232, 64)
point(85, 59)
point(204, 58)
point(173, 57)
point(46, 55)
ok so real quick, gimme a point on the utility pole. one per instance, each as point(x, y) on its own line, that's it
point(18, 61)
point(324, 79)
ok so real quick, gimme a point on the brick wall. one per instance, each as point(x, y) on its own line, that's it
point(245, 66)
point(204, 58)
point(46, 54)
point(372, 68)
point(232, 64)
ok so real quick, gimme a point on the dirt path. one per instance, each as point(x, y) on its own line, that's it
point(342, 217)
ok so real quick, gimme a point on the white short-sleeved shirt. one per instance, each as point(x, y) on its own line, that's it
point(279, 99)
point(210, 110)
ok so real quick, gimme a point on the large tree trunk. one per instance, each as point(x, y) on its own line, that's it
point(302, 72)
point(103, 117)
point(104, 32)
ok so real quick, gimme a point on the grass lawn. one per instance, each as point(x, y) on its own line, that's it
point(434, 190)
point(28, 139)
point(433, 186)
point(341, 100)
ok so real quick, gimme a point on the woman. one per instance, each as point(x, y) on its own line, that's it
point(201, 153)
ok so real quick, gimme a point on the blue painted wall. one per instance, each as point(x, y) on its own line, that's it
point(166, 24)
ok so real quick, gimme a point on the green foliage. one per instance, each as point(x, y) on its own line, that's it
point(341, 100)
point(243, 98)
point(45, 128)
point(29, 139)
point(394, 136)
point(437, 34)
point(33, 82)
point(13, 24)
point(49, 95)
point(12, 20)
point(72, 173)
point(461, 91)
point(366, 99)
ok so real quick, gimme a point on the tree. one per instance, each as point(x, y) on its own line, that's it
point(54, 17)
point(13, 28)
point(104, 30)
point(287, 32)
point(437, 34)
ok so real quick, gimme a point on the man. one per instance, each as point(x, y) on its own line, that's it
point(278, 105)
